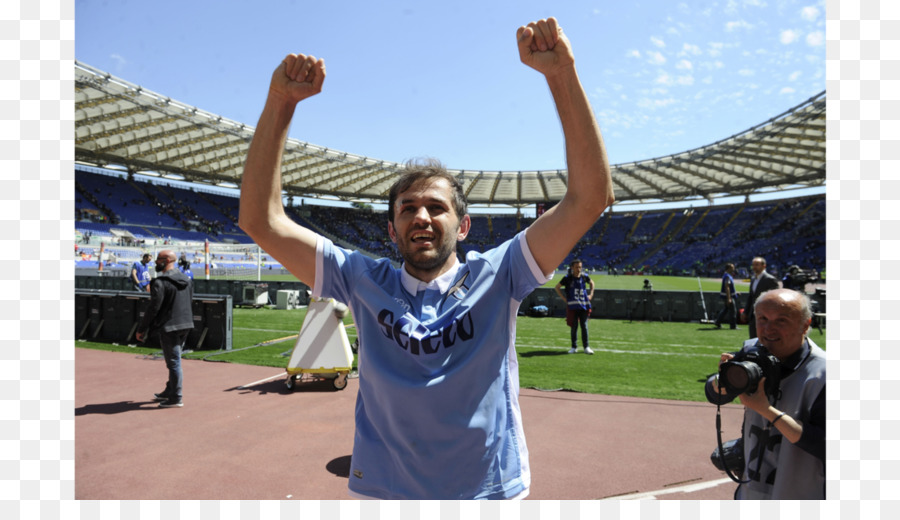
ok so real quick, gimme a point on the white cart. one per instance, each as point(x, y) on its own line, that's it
point(322, 349)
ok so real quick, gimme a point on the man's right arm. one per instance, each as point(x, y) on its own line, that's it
point(262, 214)
point(559, 292)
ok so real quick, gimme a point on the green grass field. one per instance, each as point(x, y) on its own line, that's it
point(640, 359)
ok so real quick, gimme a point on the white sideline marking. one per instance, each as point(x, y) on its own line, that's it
point(689, 488)
point(616, 351)
point(261, 381)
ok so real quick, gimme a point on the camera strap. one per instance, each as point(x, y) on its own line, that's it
point(722, 449)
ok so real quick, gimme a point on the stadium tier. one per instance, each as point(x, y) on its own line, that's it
point(129, 216)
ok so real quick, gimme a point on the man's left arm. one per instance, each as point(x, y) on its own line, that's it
point(544, 47)
point(810, 436)
point(812, 439)
point(768, 283)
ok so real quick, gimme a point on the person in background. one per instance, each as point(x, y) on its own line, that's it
point(579, 292)
point(728, 297)
point(762, 282)
point(140, 274)
point(184, 265)
point(169, 315)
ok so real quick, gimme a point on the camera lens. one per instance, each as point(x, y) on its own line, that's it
point(740, 376)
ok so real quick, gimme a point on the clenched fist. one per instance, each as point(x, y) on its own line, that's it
point(544, 47)
point(298, 77)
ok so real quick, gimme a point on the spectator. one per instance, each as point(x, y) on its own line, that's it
point(727, 295)
point(762, 282)
point(140, 274)
point(169, 314)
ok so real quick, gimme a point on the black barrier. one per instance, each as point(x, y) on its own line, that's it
point(234, 288)
point(113, 316)
point(683, 306)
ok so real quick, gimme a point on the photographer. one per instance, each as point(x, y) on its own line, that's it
point(789, 407)
point(795, 279)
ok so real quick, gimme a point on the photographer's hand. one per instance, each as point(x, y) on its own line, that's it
point(784, 423)
point(726, 356)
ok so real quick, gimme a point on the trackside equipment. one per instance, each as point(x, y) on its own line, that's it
point(322, 349)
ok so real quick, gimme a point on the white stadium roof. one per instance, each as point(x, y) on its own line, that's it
point(119, 123)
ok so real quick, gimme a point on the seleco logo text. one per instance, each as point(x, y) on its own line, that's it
point(418, 339)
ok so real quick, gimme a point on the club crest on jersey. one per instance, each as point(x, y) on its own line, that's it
point(411, 335)
point(459, 289)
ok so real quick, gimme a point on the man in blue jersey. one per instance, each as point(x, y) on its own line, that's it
point(437, 413)
point(140, 274)
point(783, 429)
point(728, 297)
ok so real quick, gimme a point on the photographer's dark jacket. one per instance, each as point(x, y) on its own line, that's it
point(776, 468)
point(171, 294)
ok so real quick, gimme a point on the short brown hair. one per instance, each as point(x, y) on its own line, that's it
point(427, 169)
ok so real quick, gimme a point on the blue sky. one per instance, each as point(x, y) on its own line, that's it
point(443, 79)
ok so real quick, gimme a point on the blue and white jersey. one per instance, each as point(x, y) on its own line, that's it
point(577, 289)
point(143, 273)
point(727, 286)
point(437, 414)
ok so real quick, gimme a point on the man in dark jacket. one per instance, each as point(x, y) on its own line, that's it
point(169, 313)
point(762, 282)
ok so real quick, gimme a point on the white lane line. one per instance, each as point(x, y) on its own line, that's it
point(690, 488)
point(261, 381)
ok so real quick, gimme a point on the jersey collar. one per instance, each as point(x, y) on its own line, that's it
point(413, 285)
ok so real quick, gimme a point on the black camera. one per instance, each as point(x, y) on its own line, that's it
point(742, 373)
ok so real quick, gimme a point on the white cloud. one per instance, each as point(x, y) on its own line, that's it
point(120, 61)
point(633, 53)
point(684, 65)
point(712, 65)
point(789, 36)
point(746, 72)
point(653, 104)
point(815, 39)
point(810, 13)
point(658, 42)
point(739, 24)
point(716, 48)
point(656, 58)
point(688, 48)
point(787, 90)
point(795, 75)
point(665, 79)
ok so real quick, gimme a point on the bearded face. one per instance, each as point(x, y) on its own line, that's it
point(426, 228)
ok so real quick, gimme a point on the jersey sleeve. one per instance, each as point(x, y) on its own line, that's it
point(514, 261)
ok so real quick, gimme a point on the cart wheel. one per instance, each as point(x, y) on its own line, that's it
point(289, 383)
point(355, 346)
point(340, 382)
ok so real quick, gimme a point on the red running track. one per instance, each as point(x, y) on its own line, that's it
point(242, 435)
